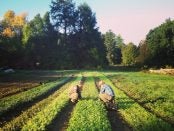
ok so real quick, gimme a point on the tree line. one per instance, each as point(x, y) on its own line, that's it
point(67, 37)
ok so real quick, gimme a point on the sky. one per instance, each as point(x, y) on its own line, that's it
point(132, 19)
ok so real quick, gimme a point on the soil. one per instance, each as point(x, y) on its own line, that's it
point(115, 119)
point(117, 124)
point(16, 111)
point(60, 123)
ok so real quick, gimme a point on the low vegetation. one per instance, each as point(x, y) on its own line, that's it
point(13, 101)
point(153, 91)
point(89, 113)
point(134, 114)
point(43, 118)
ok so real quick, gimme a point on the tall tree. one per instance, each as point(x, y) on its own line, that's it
point(11, 34)
point(129, 54)
point(143, 53)
point(63, 12)
point(113, 47)
point(90, 44)
point(160, 42)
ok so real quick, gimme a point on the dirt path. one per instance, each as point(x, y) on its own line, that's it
point(9, 115)
point(116, 121)
point(60, 123)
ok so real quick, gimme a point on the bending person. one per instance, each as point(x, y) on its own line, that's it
point(107, 95)
point(75, 92)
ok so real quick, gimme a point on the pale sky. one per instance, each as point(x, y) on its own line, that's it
point(132, 19)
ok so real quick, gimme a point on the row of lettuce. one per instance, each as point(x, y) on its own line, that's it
point(11, 102)
point(42, 113)
point(152, 91)
point(134, 114)
point(89, 113)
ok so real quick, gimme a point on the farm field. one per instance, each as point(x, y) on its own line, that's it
point(49, 112)
point(154, 92)
point(23, 80)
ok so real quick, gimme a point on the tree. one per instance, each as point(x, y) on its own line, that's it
point(113, 47)
point(143, 53)
point(88, 38)
point(11, 34)
point(62, 13)
point(129, 54)
point(13, 24)
point(86, 19)
point(160, 42)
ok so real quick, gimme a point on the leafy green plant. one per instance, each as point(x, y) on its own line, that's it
point(89, 113)
point(152, 91)
point(22, 119)
point(134, 114)
point(11, 102)
point(45, 116)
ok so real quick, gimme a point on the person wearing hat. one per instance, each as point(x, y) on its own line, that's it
point(75, 92)
point(106, 95)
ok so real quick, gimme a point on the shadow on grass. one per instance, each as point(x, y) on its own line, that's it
point(124, 103)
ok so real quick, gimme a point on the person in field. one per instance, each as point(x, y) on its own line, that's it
point(75, 92)
point(107, 95)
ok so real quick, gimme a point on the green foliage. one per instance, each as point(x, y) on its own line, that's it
point(134, 114)
point(63, 15)
point(13, 101)
point(143, 53)
point(113, 47)
point(18, 122)
point(129, 54)
point(46, 116)
point(156, 94)
point(160, 42)
point(89, 114)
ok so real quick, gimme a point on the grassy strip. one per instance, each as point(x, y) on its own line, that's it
point(135, 115)
point(12, 102)
point(89, 114)
point(22, 119)
point(45, 116)
point(154, 92)
point(89, 90)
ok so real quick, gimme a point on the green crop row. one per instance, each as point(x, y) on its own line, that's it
point(18, 122)
point(89, 113)
point(89, 90)
point(154, 92)
point(134, 114)
point(43, 118)
point(11, 102)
